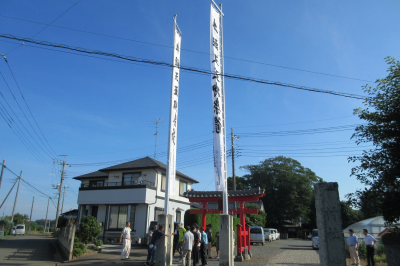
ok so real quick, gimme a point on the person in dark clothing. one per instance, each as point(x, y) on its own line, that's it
point(195, 249)
point(155, 239)
point(203, 246)
point(176, 238)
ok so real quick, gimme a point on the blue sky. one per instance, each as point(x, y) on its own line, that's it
point(96, 110)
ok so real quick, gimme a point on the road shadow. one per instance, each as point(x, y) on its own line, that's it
point(29, 248)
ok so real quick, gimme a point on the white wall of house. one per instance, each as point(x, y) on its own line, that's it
point(117, 196)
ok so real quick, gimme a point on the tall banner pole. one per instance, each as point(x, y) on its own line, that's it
point(218, 102)
point(173, 118)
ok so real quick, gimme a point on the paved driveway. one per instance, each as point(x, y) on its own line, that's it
point(281, 252)
point(29, 250)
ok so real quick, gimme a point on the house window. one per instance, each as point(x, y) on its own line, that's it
point(182, 188)
point(132, 216)
point(163, 182)
point(96, 183)
point(178, 216)
point(118, 217)
point(129, 179)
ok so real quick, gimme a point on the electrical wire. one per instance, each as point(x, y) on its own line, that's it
point(190, 69)
point(34, 119)
point(47, 25)
point(199, 52)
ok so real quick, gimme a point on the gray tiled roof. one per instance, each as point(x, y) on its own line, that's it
point(231, 193)
point(96, 174)
point(144, 163)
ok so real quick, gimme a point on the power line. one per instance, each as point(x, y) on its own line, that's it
point(15, 99)
point(199, 52)
point(190, 69)
point(47, 25)
point(29, 109)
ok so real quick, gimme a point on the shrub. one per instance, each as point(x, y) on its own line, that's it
point(379, 249)
point(77, 252)
point(381, 258)
point(362, 251)
point(97, 242)
point(89, 229)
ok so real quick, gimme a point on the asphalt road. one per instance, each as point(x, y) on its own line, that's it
point(29, 250)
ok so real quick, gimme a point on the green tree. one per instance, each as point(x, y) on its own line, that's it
point(288, 187)
point(241, 183)
point(19, 218)
point(6, 224)
point(379, 168)
point(89, 230)
point(349, 215)
point(255, 219)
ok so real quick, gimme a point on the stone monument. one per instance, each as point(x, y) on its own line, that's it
point(165, 246)
point(226, 240)
point(329, 223)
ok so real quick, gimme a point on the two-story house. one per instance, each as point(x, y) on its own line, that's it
point(132, 191)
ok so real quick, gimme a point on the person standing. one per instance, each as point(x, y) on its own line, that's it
point(209, 238)
point(182, 232)
point(195, 250)
point(353, 247)
point(176, 239)
point(217, 244)
point(203, 246)
point(126, 241)
point(187, 246)
point(155, 239)
point(369, 243)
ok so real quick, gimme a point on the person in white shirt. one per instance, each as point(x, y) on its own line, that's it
point(369, 242)
point(187, 245)
point(126, 241)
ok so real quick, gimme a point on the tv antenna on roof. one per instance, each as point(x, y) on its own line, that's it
point(158, 121)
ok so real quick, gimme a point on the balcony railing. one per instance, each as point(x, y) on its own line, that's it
point(118, 184)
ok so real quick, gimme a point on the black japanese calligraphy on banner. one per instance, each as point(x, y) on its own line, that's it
point(173, 116)
point(217, 101)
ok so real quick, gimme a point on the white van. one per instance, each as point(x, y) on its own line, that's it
point(257, 235)
point(19, 229)
point(269, 234)
point(315, 240)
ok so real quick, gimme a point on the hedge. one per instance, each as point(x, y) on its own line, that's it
point(212, 219)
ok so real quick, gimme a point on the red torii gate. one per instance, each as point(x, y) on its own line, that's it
point(240, 196)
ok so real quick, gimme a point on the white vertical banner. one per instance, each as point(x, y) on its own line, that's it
point(173, 115)
point(218, 108)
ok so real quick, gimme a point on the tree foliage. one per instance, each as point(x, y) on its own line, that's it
point(288, 188)
point(241, 183)
point(89, 229)
point(349, 215)
point(379, 168)
point(255, 219)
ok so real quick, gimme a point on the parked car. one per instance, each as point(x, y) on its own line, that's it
point(19, 229)
point(268, 234)
point(277, 234)
point(257, 235)
point(315, 240)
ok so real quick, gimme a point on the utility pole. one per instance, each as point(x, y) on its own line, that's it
point(233, 137)
point(158, 121)
point(60, 191)
point(62, 206)
point(45, 223)
point(30, 218)
point(16, 197)
point(2, 170)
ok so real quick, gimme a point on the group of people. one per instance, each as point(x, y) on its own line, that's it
point(354, 245)
point(192, 243)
